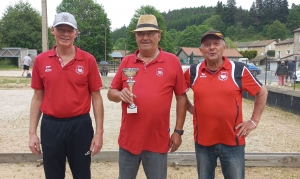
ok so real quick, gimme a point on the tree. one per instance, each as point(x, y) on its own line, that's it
point(229, 12)
point(21, 26)
point(215, 22)
point(190, 37)
point(277, 30)
point(166, 43)
point(120, 44)
point(293, 22)
point(230, 43)
point(250, 54)
point(93, 26)
point(119, 33)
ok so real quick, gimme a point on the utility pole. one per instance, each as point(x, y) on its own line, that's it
point(45, 44)
point(104, 41)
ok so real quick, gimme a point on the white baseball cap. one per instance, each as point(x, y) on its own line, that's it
point(65, 18)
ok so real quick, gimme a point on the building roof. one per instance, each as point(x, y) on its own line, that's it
point(116, 55)
point(258, 43)
point(286, 41)
point(259, 58)
point(228, 52)
point(297, 30)
point(243, 44)
point(262, 43)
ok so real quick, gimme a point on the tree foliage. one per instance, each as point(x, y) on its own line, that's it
point(21, 26)
point(250, 54)
point(93, 26)
point(293, 19)
point(277, 30)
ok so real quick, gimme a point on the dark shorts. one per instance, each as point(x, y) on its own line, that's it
point(25, 67)
point(290, 74)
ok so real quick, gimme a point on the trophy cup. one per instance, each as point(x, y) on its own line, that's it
point(130, 73)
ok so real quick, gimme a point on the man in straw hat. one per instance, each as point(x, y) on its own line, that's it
point(219, 128)
point(145, 135)
point(65, 80)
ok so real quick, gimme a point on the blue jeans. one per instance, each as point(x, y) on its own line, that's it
point(154, 164)
point(232, 159)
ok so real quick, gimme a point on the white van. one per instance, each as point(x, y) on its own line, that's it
point(244, 60)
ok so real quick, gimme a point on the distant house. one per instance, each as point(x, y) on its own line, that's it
point(184, 54)
point(118, 55)
point(261, 47)
point(284, 48)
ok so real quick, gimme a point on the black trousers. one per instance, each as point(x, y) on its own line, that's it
point(66, 138)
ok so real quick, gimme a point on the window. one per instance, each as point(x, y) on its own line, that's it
point(278, 54)
point(288, 52)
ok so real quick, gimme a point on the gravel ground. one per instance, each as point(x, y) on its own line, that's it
point(278, 131)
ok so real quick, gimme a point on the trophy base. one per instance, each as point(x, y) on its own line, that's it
point(131, 110)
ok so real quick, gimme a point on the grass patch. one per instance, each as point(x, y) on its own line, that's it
point(8, 80)
point(14, 82)
point(24, 81)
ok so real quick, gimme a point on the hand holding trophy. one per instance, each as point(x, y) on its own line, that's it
point(130, 73)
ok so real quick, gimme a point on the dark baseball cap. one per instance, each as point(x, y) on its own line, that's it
point(212, 33)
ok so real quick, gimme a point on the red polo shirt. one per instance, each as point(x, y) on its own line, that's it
point(218, 102)
point(67, 90)
point(155, 83)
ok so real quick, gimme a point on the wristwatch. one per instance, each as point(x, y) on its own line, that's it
point(179, 131)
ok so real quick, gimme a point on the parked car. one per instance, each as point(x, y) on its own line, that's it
point(297, 76)
point(253, 69)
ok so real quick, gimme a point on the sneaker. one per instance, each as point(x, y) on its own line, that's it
point(290, 85)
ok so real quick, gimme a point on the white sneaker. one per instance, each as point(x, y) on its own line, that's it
point(290, 84)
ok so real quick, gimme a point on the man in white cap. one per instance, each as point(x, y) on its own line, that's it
point(65, 80)
point(145, 135)
point(219, 128)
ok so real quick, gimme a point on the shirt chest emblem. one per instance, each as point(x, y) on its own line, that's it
point(160, 72)
point(223, 76)
point(79, 69)
point(48, 69)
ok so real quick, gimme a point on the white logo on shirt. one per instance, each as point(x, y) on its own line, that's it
point(223, 76)
point(48, 69)
point(203, 75)
point(79, 69)
point(160, 72)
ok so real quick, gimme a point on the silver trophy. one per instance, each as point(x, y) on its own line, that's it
point(130, 73)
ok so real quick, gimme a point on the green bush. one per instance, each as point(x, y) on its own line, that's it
point(8, 63)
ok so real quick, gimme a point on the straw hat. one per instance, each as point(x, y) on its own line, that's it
point(146, 23)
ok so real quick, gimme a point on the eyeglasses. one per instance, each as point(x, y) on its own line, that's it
point(62, 31)
point(148, 33)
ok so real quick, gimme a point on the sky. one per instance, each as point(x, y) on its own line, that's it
point(120, 12)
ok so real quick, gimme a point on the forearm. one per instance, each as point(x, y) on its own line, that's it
point(114, 95)
point(35, 112)
point(180, 111)
point(189, 106)
point(98, 110)
point(259, 104)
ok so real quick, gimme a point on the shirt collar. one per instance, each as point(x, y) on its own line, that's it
point(78, 56)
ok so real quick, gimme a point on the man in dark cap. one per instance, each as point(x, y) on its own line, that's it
point(219, 127)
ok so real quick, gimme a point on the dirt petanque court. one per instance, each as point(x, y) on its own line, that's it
point(277, 132)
